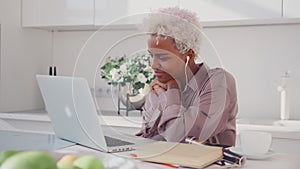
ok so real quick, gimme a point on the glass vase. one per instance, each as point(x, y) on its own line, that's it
point(128, 99)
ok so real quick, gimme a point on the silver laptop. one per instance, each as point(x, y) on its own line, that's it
point(73, 113)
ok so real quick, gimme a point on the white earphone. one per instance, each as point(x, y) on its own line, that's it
point(186, 78)
point(187, 59)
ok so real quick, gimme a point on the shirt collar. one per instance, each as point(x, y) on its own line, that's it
point(198, 79)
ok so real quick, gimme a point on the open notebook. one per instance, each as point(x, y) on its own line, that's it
point(189, 155)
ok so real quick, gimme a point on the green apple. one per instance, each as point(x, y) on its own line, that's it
point(6, 154)
point(30, 160)
point(88, 162)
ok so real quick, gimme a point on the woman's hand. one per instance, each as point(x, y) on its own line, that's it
point(160, 87)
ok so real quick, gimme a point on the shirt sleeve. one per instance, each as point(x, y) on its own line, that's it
point(212, 117)
point(151, 114)
point(154, 120)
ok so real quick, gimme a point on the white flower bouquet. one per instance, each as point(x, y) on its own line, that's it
point(135, 70)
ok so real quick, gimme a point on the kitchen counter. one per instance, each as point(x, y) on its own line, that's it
point(30, 120)
point(285, 129)
point(288, 129)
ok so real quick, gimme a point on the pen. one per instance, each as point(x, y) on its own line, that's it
point(193, 140)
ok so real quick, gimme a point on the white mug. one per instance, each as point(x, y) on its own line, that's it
point(255, 142)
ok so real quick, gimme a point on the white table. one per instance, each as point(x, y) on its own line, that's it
point(278, 161)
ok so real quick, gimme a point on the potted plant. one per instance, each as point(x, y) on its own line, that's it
point(133, 74)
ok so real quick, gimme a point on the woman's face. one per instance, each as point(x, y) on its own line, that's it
point(167, 62)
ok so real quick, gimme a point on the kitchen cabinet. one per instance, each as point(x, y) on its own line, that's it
point(291, 8)
point(127, 11)
point(49, 13)
point(224, 10)
point(57, 14)
point(41, 13)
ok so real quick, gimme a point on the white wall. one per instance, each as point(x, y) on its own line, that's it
point(81, 53)
point(24, 52)
point(256, 55)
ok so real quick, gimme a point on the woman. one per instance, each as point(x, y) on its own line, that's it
point(186, 99)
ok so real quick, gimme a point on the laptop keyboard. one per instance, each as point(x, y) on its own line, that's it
point(112, 142)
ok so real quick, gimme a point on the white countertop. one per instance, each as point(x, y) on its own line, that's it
point(41, 116)
point(270, 125)
point(289, 129)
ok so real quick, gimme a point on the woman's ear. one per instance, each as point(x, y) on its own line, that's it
point(191, 54)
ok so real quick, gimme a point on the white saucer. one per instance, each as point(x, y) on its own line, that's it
point(238, 150)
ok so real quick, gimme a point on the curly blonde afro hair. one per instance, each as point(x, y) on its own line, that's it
point(180, 24)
